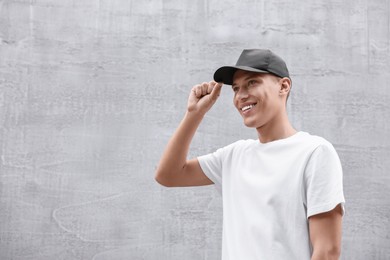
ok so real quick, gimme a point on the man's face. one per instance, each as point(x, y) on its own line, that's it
point(257, 97)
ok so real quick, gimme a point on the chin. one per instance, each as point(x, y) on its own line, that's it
point(250, 124)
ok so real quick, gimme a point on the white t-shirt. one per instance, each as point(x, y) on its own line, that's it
point(270, 190)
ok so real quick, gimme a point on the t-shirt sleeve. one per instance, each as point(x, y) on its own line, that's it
point(212, 165)
point(323, 181)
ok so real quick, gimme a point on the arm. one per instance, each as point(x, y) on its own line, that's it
point(174, 169)
point(325, 234)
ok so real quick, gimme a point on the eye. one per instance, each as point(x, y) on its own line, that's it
point(235, 89)
point(251, 82)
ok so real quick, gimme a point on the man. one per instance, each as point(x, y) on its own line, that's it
point(282, 193)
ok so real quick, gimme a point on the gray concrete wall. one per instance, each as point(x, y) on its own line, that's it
point(90, 92)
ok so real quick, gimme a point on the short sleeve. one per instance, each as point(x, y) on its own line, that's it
point(211, 165)
point(323, 179)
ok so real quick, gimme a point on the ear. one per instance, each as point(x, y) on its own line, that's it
point(285, 86)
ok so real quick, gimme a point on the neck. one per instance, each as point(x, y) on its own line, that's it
point(279, 128)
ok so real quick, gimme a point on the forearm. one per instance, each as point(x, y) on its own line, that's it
point(173, 169)
point(174, 157)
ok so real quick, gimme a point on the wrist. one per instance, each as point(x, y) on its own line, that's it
point(193, 115)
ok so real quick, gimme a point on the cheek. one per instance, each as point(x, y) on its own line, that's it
point(266, 102)
point(269, 96)
point(235, 101)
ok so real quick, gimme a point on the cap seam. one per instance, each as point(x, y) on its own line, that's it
point(268, 58)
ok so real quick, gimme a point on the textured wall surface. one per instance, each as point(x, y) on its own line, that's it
point(90, 92)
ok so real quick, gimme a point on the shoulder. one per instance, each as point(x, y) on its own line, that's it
point(321, 149)
point(315, 141)
point(237, 147)
point(240, 144)
point(316, 147)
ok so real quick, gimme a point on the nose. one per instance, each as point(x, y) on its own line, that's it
point(241, 94)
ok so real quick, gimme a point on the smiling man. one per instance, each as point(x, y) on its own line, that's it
point(283, 192)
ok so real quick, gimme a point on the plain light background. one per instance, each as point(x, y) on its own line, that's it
point(91, 91)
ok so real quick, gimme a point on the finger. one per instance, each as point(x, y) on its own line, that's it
point(198, 91)
point(211, 86)
point(205, 86)
point(216, 91)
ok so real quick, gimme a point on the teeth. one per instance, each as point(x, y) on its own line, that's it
point(247, 107)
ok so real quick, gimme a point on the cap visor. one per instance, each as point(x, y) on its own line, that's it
point(225, 74)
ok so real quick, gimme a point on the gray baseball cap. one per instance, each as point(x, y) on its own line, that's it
point(254, 60)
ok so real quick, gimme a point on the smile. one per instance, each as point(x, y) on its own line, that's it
point(248, 107)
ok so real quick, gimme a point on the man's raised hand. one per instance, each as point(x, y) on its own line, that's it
point(203, 96)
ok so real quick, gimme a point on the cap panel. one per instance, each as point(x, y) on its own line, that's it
point(254, 58)
point(278, 66)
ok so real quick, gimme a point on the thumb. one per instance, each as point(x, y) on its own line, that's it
point(216, 91)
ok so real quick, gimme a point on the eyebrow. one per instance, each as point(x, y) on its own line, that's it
point(247, 78)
